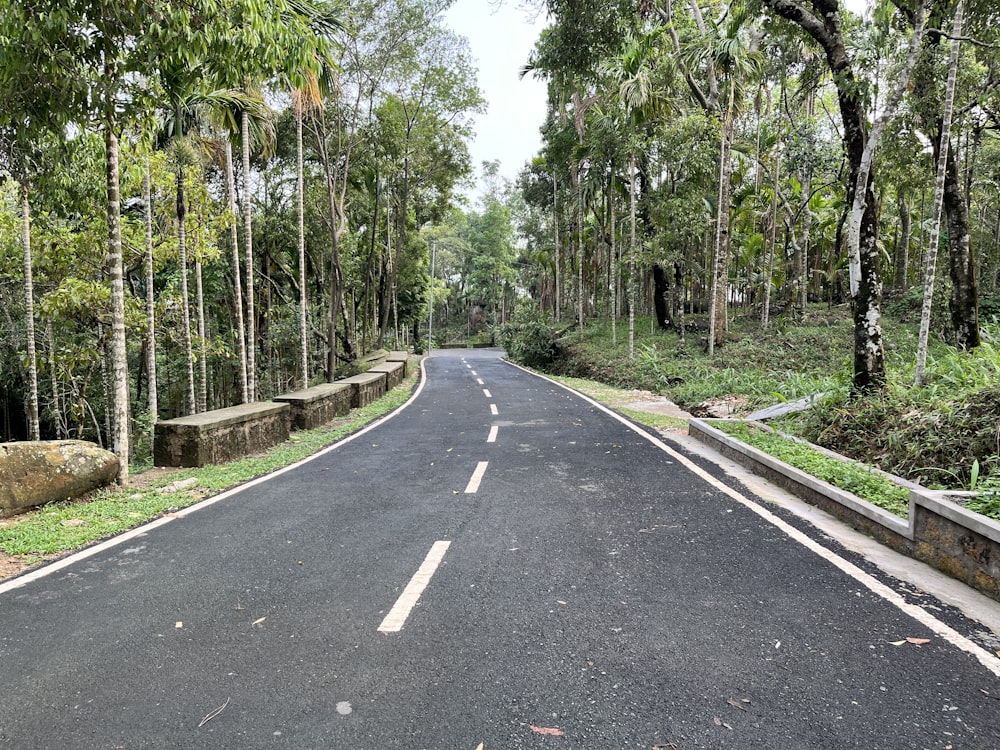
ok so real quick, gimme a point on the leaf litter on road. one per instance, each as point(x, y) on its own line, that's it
point(547, 730)
point(212, 714)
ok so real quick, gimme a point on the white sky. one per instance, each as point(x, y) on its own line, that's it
point(501, 40)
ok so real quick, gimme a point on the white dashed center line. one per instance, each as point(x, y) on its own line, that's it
point(477, 477)
point(479, 380)
point(493, 434)
point(486, 391)
point(493, 410)
point(393, 621)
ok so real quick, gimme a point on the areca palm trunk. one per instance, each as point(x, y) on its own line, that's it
point(772, 236)
point(151, 394)
point(631, 259)
point(119, 360)
point(29, 315)
point(555, 239)
point(202, 346)
point(251, 327)
point(614, 265)
point(720, 262)
point(241, 338)
point(930, 262)
point(185, 297)
point(300, 189)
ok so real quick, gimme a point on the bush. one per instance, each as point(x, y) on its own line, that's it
point(528, 338)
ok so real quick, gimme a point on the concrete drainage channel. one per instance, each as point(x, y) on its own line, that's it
point(939, 531)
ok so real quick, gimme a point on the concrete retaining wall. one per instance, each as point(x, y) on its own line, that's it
point(314, 407)
point(939, 531)
point(221, 435)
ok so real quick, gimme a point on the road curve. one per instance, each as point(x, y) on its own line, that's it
point(501, 564)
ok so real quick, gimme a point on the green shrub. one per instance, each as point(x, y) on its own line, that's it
point(528, 337)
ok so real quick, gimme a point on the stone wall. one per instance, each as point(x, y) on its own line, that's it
point(314, 407)
point(221, 435)
point(365, 388)
point(393, 371)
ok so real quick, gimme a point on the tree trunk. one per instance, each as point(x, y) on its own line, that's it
point(34, 431)
point(202, 343)
point(825, 29)
point(772, 237)
point(964, 301)
point(631, 259)
point(555, 237)
point(251, 326)
point(614, 265)
point(58, 415)
point(185, 298)
point(119, 357)
point(241, 338)
point(903, 248)
point(930, 264)
point(720, 261)
point(151, 389)
point(300, 190)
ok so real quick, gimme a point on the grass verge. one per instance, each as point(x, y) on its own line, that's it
point(66, 526)
point(849, 476)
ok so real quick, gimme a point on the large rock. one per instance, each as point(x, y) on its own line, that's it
point(35, 473)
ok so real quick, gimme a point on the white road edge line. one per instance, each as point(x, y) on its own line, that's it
point(493, 434)
point(486, 392)
point(65, 562)
point(393, 621)
point(477, 478)
point(988, 660)
point(493, 410)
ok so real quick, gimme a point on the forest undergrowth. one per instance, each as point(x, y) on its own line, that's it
point(943, 435)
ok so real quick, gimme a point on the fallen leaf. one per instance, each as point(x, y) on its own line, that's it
point(547, 730)
point(259, 620)
point(736, 704)
point(71, 522)
point(727, 726)
point(718, 721)
point(918, 641)
point(560, 601)
point(299, 562)
point(212, 714)
point(896, 643)
point(179, 624)
point(480, 747)
point(326, 468)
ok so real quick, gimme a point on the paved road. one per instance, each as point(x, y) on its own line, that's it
point(590, 592)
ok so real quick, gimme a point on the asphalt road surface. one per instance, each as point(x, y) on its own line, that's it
point(499, 565)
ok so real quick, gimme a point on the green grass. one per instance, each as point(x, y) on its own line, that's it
point(852, 477)
point(932, 435)
point(61, 527)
